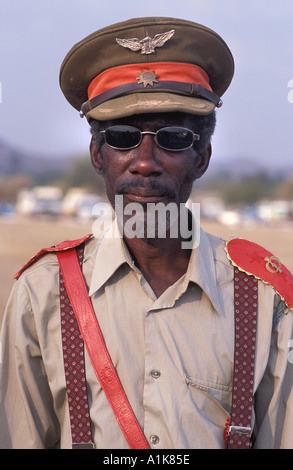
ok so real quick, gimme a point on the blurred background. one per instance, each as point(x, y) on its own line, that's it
point(47, 187)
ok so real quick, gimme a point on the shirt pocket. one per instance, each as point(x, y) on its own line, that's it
point(204, 410)
point(212, 399)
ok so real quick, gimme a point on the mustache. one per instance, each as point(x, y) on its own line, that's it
point(151, 185)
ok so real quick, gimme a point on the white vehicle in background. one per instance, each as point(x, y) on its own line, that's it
point(39, 201)
point(79, 203)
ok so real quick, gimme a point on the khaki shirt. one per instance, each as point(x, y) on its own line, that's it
point(187, 334)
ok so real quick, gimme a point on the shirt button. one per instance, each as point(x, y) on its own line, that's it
point(155, 374)
point(154, 439)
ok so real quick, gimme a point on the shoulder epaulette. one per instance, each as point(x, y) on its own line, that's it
point(63, 246)
point(262, 264)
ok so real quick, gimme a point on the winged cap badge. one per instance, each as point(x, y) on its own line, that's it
point(146, 45)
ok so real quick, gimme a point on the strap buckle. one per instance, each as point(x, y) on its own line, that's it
point(83, 445)
point(247, 431)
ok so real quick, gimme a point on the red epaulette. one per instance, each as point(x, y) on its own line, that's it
point(63, 246)
point(262, 264)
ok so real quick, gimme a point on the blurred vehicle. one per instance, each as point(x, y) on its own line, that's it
point(41, 200)
point(87, 207)
point(274, 211)
point(6, 209)
point(78, 202)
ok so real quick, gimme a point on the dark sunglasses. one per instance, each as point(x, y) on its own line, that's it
point(172, 139)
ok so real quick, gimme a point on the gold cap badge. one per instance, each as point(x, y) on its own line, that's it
point(147, 78)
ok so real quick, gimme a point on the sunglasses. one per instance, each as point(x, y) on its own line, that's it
point(172, 139)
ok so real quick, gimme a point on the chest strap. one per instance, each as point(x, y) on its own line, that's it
point(97, 351)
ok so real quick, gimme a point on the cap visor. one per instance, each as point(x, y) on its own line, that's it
point(140, 103)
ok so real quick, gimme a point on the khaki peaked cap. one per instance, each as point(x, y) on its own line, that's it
point(147, 65)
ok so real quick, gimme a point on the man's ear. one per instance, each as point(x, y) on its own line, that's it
point(203, 161)
point(96, 157)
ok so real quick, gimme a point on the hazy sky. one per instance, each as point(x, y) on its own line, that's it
point(255, 122)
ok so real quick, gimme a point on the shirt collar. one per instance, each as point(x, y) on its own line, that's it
point(201, 268)
point(111, 254)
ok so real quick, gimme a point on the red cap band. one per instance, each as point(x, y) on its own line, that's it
point(163, 71)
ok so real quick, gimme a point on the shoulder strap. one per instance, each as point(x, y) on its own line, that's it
point(238, 430)
point(251, 263)
point(74, 368)
point(97, 351)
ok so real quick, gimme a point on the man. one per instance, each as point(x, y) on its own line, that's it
point(179, 337)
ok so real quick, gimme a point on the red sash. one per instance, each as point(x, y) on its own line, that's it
point(97, 351)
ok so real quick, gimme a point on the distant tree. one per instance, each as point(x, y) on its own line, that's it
point(246, 190)
point(285, 190)
point(11, 185)
point(82, 174)
point(250, 189)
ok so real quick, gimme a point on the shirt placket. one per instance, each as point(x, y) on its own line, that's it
point(154, 375)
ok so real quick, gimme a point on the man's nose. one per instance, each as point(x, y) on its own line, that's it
point(145, 158)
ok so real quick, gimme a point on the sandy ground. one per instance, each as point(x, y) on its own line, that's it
point(22, 238)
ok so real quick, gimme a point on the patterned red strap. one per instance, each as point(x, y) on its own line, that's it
point(245, 292)
point(73, 355)
point(97, 351)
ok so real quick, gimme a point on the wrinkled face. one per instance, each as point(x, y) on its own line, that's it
point(147, 173)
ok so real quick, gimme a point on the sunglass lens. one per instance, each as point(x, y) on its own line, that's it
point(123, 137)
point(174, 138)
